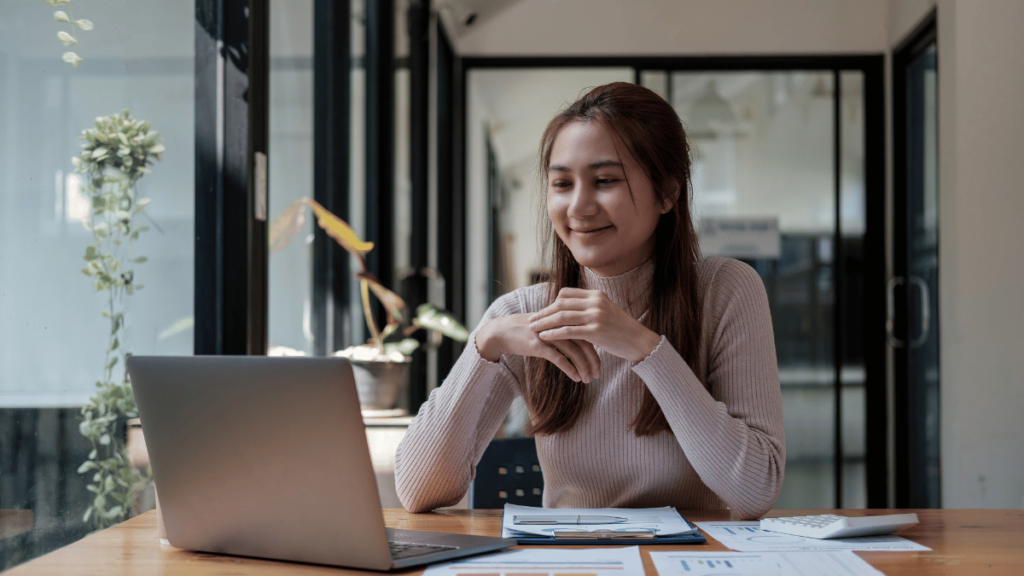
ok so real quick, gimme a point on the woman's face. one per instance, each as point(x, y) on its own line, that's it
point(607, 228)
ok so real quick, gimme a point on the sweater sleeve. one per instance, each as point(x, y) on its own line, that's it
point(731, 431)
point(436, 460)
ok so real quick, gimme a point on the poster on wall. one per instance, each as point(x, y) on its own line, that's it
point(747, 238)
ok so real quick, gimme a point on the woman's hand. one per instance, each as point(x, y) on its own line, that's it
point(512, 335)
point(590, 316)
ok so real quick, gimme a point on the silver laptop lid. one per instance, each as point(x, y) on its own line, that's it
point(263, 457)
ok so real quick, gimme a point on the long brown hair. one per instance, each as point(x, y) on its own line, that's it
point(653, 135)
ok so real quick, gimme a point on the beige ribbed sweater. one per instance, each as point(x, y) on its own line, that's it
point(726, 448)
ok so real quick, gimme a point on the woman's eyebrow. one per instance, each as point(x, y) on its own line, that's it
point(592, 166)
point(605, 163)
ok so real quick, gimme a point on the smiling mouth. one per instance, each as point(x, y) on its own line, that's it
point(590, 230)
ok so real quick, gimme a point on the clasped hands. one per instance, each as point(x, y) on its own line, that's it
point(567, 333)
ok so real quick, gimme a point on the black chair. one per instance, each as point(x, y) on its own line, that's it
point(508, 473)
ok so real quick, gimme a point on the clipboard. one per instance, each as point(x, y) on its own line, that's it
point(625, 527)
point(693, 538)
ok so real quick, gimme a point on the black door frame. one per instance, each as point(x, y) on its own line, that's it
point(231, 196)
point(909, 472)
point(872, 67)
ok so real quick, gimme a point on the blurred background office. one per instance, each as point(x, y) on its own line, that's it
point(862, 155)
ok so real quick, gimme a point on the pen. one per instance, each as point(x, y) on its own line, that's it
point(575, 519)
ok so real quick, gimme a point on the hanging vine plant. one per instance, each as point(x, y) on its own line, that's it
point(69, 39)
point(115, 155)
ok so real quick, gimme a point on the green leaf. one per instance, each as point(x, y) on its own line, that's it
point(115, 326)
point(72, 58)
point(65, 38)
point(88, 513)
point(90, 253)
point(114, 345)
point(432, 318)
point(105, 313)
point(84, 24)
point(100, 503)
point(405, 347)
point(86, 466)
point(93, 454)
point(105, 439)
point(140, 259)
point(114, 512)
point(112, 363)
point(61, 16)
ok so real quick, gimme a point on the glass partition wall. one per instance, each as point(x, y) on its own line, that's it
point(787, 148)
point(63, 331)
point(781, 181)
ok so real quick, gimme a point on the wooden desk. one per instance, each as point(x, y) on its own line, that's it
point(963, 542)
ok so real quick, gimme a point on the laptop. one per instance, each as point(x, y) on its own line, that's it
point(267, 457)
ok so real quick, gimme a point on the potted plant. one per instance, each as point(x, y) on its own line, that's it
point(116, 154)
point(380, 365)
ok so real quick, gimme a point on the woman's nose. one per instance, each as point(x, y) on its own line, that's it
point(583, 202)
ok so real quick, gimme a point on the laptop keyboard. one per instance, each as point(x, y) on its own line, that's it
point(401, 550)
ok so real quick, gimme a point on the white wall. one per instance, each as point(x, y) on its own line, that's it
point(677, 27)
point(981, 280)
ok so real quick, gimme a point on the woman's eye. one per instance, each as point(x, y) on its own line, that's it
point(561, 184)
point(606, 181)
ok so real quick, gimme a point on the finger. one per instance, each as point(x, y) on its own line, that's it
point(592, 358)
point(570, 292)
point(560, 305)
point(581, 332)
point(561, 318)
point(553, 355)
point(579, 359)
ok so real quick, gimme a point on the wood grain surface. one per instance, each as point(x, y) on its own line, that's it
point(963, 542)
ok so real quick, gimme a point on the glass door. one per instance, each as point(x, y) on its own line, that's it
point(779, 182)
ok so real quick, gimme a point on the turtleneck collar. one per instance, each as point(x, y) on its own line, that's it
point(631, 290)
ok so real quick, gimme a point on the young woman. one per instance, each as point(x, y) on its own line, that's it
point(649, 373)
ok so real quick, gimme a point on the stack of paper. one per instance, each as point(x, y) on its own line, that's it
point(527, 521)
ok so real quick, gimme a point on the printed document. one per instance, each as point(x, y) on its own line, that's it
point(604, 561)
point(838, 563)
point(664, 521)
point(748, 537)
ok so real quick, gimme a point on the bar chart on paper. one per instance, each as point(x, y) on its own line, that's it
point(843, 562)
point(549, 562)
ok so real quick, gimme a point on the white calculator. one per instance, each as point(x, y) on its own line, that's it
point(833, 526)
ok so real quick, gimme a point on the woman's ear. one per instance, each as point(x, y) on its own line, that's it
point(670, 199)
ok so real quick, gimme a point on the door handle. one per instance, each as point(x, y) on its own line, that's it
point(890, 312)
point(890, 317)
point(925, 311)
